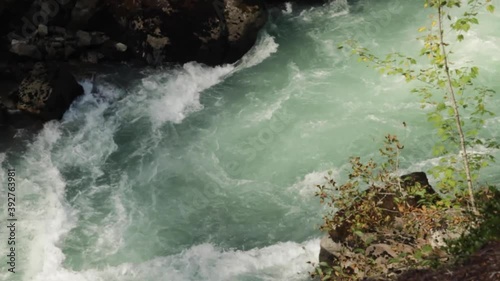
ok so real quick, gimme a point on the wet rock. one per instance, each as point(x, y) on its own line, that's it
point(83, 12)
point(212, 32)
point(69, 51)
point(57, 30)
point(157, 43)
point(150, 31)
point(47, 92)
point(329, 250)
point(42, 30)
point(84, 38)
point(91, 57)
point(24, 49)
point(120, 47)
point(418, 180)
point(244, 19)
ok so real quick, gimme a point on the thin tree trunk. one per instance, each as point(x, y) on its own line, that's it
point(451, 92)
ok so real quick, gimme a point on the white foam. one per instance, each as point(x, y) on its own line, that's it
point(176, 95)
point(466, 53)
point(270, 110)
point(333, 9)
point(179, 94)
point(110, 239)
point(171, 96)
point(338, 8)
point(375, 118)
point(46, 216)
point(306, 187)
point(95, 130)
point(288, 8)
point(282, 261)
point(263, 49)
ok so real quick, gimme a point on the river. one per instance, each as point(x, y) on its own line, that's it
point(208, 173)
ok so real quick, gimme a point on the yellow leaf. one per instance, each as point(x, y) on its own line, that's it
point(423, 28)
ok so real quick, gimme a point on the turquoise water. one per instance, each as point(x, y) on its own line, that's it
point(199, 173)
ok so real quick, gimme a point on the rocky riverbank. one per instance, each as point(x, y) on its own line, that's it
point(50, 35)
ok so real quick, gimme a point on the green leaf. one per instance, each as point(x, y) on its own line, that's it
point(427, 248)
point(474, 71)
point(441, 106)
point(490, 8)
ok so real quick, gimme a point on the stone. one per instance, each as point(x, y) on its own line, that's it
point(98, 38)
point(57, 44)
point(91, 57)
point(47, 92)
point(329, 250)
point(57, 30)
point(120, 47)
point(418, 179)
point(7, 103)
point(43, 30)
point(82, 12)
point(244, 19)
point(23, 49)
point(68, 51)
point(415, 178)
point(157, 43)
point(84, 38)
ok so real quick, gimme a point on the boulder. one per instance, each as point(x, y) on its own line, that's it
point(120, 47)
point(46, 92)
point(42, 30)
point(82, 12)
point(24, 49)
point(244, 19)
point(418, 180)
point(329, 250)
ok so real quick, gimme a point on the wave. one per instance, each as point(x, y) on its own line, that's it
point(46, 216)
point(177, 94)
point(85, 139)
point(282, 261)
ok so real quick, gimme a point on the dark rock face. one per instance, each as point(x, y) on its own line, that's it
point(211, 32)
point(149, 31)
point(46, 92)
point(244, 19)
